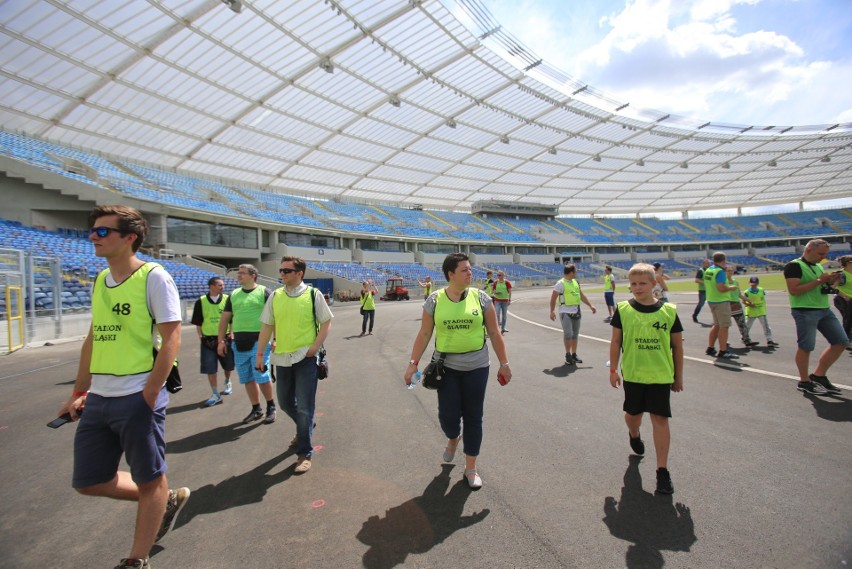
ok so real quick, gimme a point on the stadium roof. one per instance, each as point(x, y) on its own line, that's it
point(410, 102)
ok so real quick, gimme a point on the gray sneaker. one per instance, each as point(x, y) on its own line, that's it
point(823, 381)
point(176, 502)
point(133, 564)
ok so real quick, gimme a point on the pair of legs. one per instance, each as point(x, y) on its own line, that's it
point(721, 312)
point(113, 426)
point(767, 331)
point(210, 362)
point(502, 309)
point(297, 394)
point(662, 435)
point(808, 323)
point(570, 332)
point(702, 298)
point(368, 315)
point(461, 401)
point(609, 299)
point(256, 382)
point(845, 308)
point(741, 324)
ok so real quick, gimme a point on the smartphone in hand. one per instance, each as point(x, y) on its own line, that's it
point(62, 419)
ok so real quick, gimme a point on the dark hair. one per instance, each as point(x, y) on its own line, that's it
point(569, 268)
point(298, 263)
point(130, 221)
point(719, 257)
point(657, 266)
point(608, 268)
point(212, 280)
point(252, 270)
point(451, 262)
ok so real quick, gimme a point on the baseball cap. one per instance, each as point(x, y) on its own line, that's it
point(754, 280)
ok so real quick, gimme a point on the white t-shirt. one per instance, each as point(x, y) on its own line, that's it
point(164, 306)
point(559, 287)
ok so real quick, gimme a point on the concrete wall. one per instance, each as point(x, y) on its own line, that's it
point(363, 256)
point(33, 205)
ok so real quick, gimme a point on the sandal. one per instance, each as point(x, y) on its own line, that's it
point(450, 452)
point(473, 479)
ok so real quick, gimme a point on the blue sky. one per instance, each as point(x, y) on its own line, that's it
point(751, 62)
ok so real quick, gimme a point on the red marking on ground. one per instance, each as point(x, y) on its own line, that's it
point(317, 448)
point(318, 503)
point(319, 414)
point(4, 427)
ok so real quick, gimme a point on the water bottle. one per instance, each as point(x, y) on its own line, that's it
point(415, 380)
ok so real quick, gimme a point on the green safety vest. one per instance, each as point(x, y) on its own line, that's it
point(734, 294)
point(246, 308)
point(608, 283)
point(758, 297)
point(814, 298)
point(368, 302)
point(295, 321)
point(122, 325)
point(427, 290)
point(212, 314)
point(501, 290)
point(459, 326)
point(713, 294)
point(845, 285)
point(646, 344)
point(570, 293)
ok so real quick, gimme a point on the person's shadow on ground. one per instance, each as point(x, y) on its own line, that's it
point(418, 525)
point(562, 371)
point(652, 523)
point(215, 436)
point(831, 407)
point(246, 488)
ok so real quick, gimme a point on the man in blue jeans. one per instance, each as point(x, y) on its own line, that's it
point(299, 318)
point(808, 287)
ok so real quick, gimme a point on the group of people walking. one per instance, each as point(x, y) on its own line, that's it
point(124, 366)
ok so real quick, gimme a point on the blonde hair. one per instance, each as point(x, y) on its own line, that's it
point(642, 269)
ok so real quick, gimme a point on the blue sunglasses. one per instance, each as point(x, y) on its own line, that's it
point(104, 231)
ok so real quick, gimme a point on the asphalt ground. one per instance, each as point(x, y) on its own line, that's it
point(762, 472)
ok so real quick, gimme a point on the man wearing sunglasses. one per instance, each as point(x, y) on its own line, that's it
point(242, 311)
point(299, 318)
point(120, 381)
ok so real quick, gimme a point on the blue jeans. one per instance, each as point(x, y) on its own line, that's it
point(462, 398)
point(702, 298)
point(808, 322)
point(502, 309)
point(297, 395)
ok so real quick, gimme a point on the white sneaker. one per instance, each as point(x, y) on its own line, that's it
point(473, 479)
point(228, 388)
point(214, 400)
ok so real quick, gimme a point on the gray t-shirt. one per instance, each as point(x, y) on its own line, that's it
point(469, 360)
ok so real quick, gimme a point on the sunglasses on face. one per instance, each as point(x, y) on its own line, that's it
point(287, 271)
point(104, 231)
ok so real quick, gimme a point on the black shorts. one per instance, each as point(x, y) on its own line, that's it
point(651, 398)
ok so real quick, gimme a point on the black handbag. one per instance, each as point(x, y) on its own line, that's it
point(322, 364)
point(433, 375)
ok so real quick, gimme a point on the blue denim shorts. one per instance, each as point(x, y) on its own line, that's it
point(210, 360)
point(808, 321)
point(244, 364)
point(609, 298)
point(115, 425)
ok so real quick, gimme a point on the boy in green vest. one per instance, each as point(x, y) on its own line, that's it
point(609, 292)
point(647, 337)
point(756, 309)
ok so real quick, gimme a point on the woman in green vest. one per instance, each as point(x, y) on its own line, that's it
point(460, 315)
point(368, 306)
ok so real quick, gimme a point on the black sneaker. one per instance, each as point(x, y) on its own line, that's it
point(576, 359)
point(176, 501)
point(771, 343)
point(637, 445)
point(751, 343)
point(694, 318)
point(823, 381)
point(254, 415)
point(726, 355)
point(568, 359)
point(270, 415)
point(133, 564)
point(811, 387)
point(711, 351)
point(664, 482)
